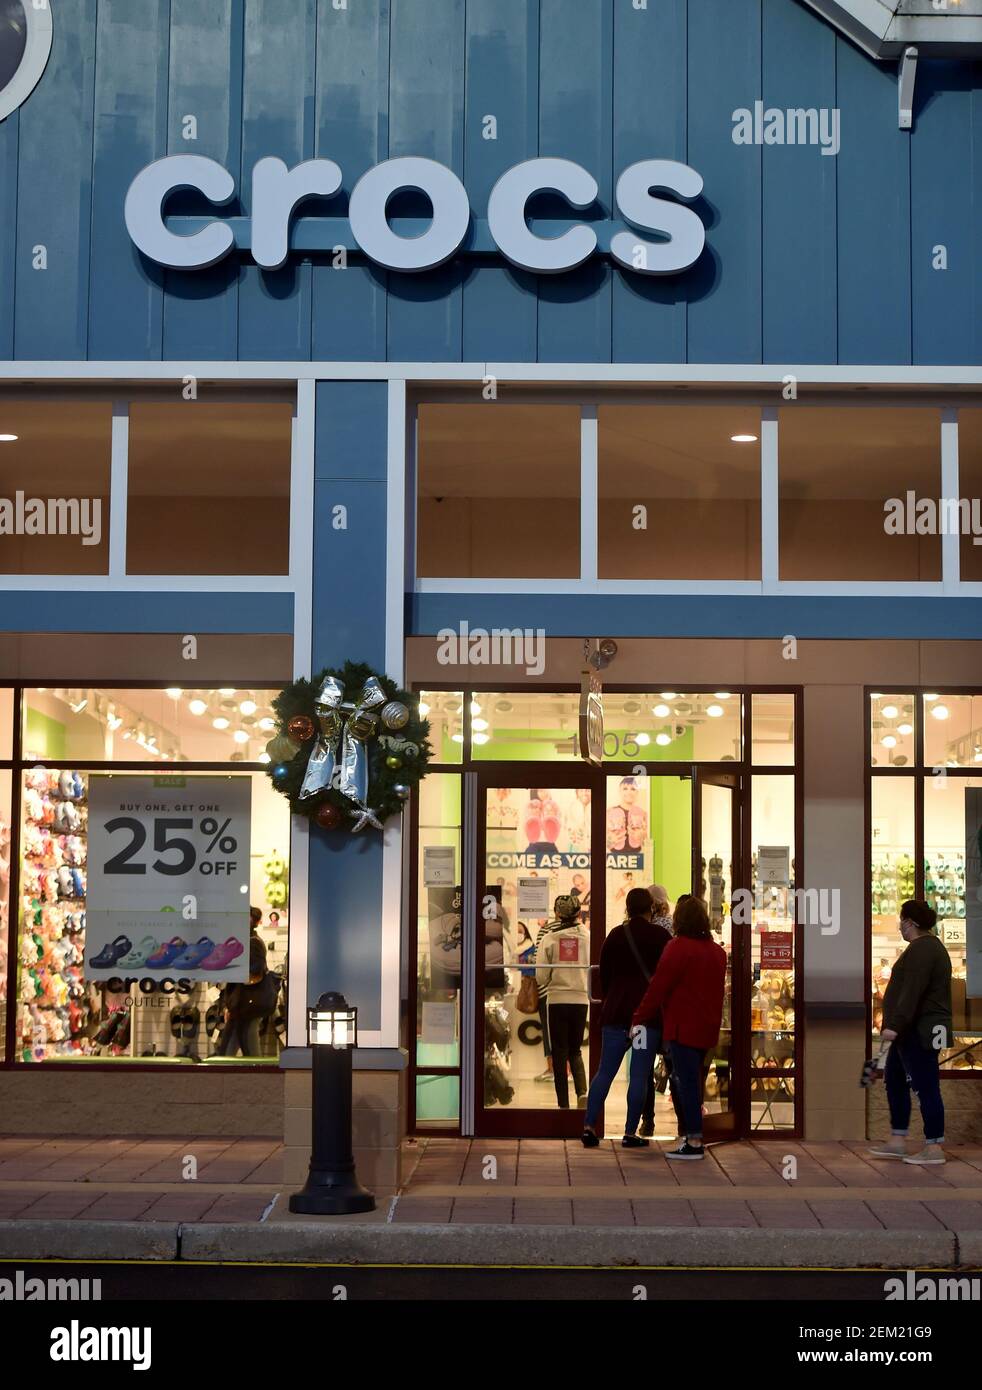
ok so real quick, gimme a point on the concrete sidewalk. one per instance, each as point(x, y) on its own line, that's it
point(775, 1204)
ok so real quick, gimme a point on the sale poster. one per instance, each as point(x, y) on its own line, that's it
point(973, 891)
point(168, 878)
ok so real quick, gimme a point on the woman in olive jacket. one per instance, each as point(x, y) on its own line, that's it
point(917, 1024)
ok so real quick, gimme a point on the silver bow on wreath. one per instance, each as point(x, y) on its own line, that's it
point(340, 756)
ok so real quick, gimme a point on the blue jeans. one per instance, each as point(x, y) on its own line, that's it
point(687, 1075)
point(614, 1043)
point(912, 1067)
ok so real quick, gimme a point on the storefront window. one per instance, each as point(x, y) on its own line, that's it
point(952, 730)
point(840, 469)
point(892, 730)
point(892, 876)
point(953, 887)
point(970, 492)
point(773, 730)
point(152, 726)
point(525, 726)
point(6, 723)
point(5, 831)
point(679, 492)
point(445, 711)
point(162, 989)
point(772, 1017)
point(498, 491)
point(439, 944)
point(209, 488)
point(56, 464)
point(668, 726)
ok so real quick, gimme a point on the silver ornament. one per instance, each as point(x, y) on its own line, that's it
point(402, 791)
point(395, 715)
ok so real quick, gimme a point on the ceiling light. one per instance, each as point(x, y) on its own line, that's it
point(905, 729)
point(241, 736)
point(642, 740)
point(197, 706)
point(226, 692)
point(265, 758)
point(890, 711)
point(174, 691)
point(978, 753)
point(876, 696)
point(423, 708)
point(888, 741)
point(479, 725)
point(940, 711)
point(743, 438)
point(715, 711)
point(8, 438)
point(669, 695)
point(267, 723)
point(663, 740)
point(930, 697)
point(481, 738)
point(662, 711)
point(723, 695)
point(220, 723)
point(248, 707)
point(457, 738)
point(475, 707)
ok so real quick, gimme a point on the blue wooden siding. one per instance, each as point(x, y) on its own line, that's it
point(810, 258)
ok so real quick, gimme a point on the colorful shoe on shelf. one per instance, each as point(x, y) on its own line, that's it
point(191, 958)
point(138, 955)
point(167, 953)
point(111, 953)
point(223, 955)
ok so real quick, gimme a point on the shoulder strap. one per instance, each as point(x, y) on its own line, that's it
point(636, 953)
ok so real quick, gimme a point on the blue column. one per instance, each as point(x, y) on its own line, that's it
point(345, 931)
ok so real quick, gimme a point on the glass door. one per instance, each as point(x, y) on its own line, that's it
point(534, 842)
point(716, 874)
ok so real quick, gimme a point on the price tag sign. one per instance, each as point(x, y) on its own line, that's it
point(168, 878)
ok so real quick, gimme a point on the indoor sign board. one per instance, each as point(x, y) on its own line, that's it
point(420, 244)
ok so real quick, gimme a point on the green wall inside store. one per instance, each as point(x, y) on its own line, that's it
point(44, 737)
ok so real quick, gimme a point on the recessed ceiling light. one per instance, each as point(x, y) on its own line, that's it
point(930, 697)
point(723, 695)
point(743, 438)
point(479, 725)
point(481, 738)
point(662, 711)
point(889, 741)
point(642, 740)
point(715, 711)
point(197, 706)
point(241, 736)
point(890, 711)
point(267, 723)
point(669, 695)
point(423, 708)
point(226, 692)
point(220, 723)
point(475, 707)
point(905, 729)
point(940, 711)
point(174, 691)
point(663, 740)
point(265, 758)
point(457, 738)
point(8, 438)
point(248, 707)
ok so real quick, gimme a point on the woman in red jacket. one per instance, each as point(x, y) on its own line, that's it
point(688, 988)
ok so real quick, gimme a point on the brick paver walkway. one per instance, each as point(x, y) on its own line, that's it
point(775, 1185)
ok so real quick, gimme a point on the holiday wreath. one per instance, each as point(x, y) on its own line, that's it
point(349, 748)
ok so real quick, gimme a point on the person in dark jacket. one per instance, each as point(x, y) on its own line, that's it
point(917, 1024)
point(628, 960)
point(246, 1005)
point(688, 989)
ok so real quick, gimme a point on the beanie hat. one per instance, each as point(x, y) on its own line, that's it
point(566, 906)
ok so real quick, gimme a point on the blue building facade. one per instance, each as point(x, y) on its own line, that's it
point(827, 271)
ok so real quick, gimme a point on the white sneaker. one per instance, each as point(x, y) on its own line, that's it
point(931, 1153)
point(886, 1150)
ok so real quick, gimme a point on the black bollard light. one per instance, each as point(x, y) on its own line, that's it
point(331, 1189)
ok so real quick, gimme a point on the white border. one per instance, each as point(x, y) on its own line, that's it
point(37, 51)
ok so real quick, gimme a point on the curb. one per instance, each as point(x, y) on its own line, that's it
point(605, 1247)
point(89, 1240)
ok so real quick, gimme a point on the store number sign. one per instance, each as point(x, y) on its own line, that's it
point(168, 878)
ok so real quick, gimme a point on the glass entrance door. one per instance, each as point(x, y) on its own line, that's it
point(534, 842)
point(716, 875)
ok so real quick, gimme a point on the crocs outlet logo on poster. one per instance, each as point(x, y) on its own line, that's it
point(25, 46)
point(421, 240)
point(75, 1343)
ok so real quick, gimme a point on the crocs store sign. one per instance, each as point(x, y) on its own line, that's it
point(658, 234)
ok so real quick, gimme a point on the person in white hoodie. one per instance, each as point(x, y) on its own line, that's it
point(562, 974)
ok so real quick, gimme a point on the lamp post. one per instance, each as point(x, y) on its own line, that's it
point(332, 1188)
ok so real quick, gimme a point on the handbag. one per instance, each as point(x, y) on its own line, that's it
point(528, 997)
